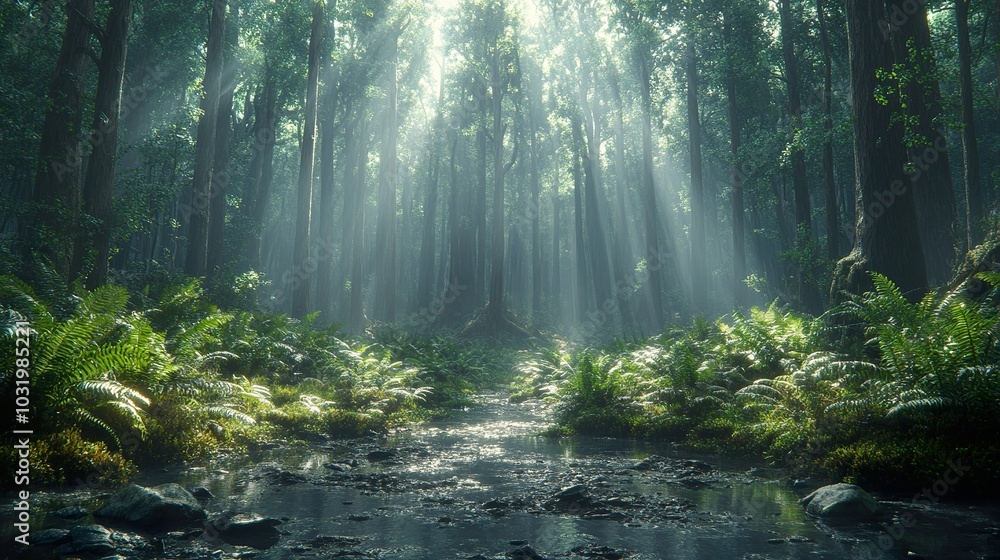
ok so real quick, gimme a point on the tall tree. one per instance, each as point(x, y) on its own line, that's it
point(99, 183)
point(196, 259)
point(808, 291)
point(328, 134)
point(503, 75)
point(970, 148)
point(735, 126)
point(301, 270)
point(385, 232)
point(829, 179)
point(56, 189)
point(887, 239)
point(699, 266)
point(223, 135)
point(929, 170)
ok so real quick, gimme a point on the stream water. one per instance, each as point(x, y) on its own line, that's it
point(483, 484)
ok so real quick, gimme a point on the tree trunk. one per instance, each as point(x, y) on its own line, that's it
point(623, 258)
point(580, 247)
point(324, 268)
point(99, 184)
point(829, 179)
point(385, 234)
point(302, 269)
point(930, 173)
point(887, 239)
point(264, 143)
point(556, 292)
point(223, 135)
point(699, 274)
point(57, 175)
point(653, 257)
point(426, 283)
point(535, 211)
point(970, 150)
point(196, 259)
point(356, 316)
point(809, 297)
point(599, 262)
point(740, 296)
point(495, 310)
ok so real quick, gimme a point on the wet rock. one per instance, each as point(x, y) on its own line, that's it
point(163, 505)
point(202, 493)
point(570, 494)
point(91, 539)
point(380, 455)
point(337, 467)
point(697, 466)
point(649, 463)
point(598, 551)
point(358, 517)
point(245, 529)
point(840, 500)
point(496, 504)
point(273, 474)
point(334, 540)
point(805, 483)
point(72, 512)
point(525, 552)
point(49, 537)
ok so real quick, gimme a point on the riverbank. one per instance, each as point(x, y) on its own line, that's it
point(483, 484)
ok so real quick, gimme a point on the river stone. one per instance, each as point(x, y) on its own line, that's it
point(246, 529)
point(49, 537)
point(202, 493)
point(571, 493)
point(166, 504)
point(91, 539)
point(525, 552)
point(71, 512)
point(380, 455)
point(840, 500)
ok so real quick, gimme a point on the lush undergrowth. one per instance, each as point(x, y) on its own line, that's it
point(918, 392)
point(125, 377)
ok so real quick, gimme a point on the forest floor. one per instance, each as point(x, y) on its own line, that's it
point(482, 483)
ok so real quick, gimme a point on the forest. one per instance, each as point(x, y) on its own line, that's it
point(597, 260)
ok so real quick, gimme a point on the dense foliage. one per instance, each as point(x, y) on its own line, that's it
point(919, 390)
point(176, 379)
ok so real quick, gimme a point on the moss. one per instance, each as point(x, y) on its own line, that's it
point(66, 458)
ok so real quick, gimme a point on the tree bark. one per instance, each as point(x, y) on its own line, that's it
point(887, 239)
point(223, 135)
point(385, 234)
point(829, 179)
point(653, 257)
point(196, 259)
point(57, 175)
point(356, 315)
point(970, 149)
point(264, 144)
point(425, 283)
point(495, 310)
point(99, 183)
point(580, 246)
point(738, 211)
point(930, 173)
point(328, 132)
point(623, 258)
point(699, 274)
point(302, 270)
point(808, 291)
